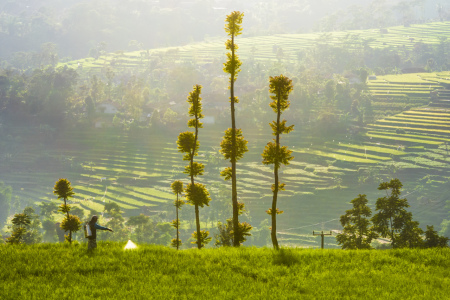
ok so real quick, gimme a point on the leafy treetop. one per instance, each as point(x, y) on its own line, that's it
point(63, 189)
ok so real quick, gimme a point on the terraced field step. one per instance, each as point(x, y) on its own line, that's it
point(418, 120)
point(421, 120)
point(442, 93)
point(392, 136)
point(418, 125)
point(373, 148)
point(354, 157)
point(441, 103)
point(431, 131)
point(418, 116)
point(429, 112)
point(395, 98)
point(403, 86)
point(387, 105)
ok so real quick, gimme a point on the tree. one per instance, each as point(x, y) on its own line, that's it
point(280, 87)
point(433, 239)
point(155, 120)
point(177, 188)
point(356, 233)
point(33, 234)
point(170, 117)
point(133, 99)
point(233, 145)
point(330, 91)
point(116, 223)
point(47, 209)
point(226, 235)
point(144, 228)
point(20, 225)
point(70, 223)
point(410, 235)
point(392, 220)
point(196, 193)
point(363, 74)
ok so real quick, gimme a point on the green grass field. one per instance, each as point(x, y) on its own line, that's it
point(61, 271)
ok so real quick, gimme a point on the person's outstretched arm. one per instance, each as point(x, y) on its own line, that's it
point(101, 227)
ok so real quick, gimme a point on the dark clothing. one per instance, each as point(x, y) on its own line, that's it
point(92, 244)
point(93, 230)
point(94, 226)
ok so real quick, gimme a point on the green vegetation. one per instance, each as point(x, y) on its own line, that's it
point(188, 143)
point(45, 271)
point(109, 123)
point(20, 223)
point(177, 188)
point(233, 145)
point(275, 154)
point(357, 234)
point(70, 223)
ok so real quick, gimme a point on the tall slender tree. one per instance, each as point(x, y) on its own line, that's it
point(177, 188)
point(280, 87)
point(71, 223)
point(196, 193)
point(233, 145)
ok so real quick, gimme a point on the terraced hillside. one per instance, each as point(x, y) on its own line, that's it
point(265, 48)
point(135, 170)
point(395, 93)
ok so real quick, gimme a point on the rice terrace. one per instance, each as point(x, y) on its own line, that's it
point(163, 149)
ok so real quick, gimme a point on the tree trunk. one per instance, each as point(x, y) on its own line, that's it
point(197, 219)
point(197, 215)
point(274, 213)
point(233, 155)
point(178, 238)
point(275, 173)
point(70, 231)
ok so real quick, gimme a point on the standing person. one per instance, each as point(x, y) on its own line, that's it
point(92, 240)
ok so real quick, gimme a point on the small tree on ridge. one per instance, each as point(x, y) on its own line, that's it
point(70, 223)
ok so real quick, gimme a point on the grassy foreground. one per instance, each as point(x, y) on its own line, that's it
point(54, 271)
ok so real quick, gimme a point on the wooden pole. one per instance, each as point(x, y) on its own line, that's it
point(322, 237)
